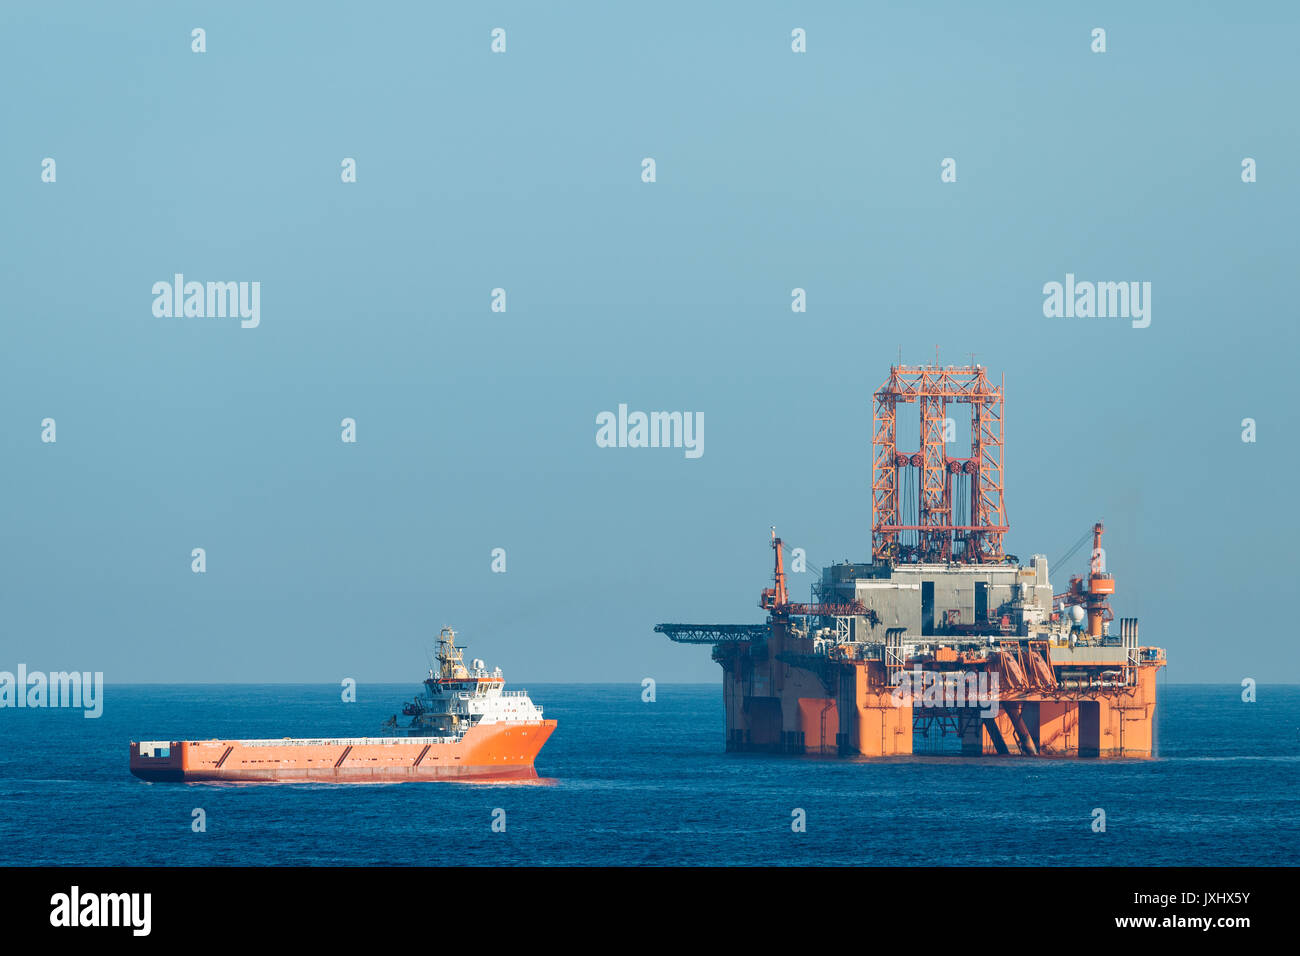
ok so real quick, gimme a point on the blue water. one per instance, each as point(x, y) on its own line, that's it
point(627, 782)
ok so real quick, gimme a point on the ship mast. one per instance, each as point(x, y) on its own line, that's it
point(450, 657)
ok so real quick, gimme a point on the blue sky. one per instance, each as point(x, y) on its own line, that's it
point(522, 170)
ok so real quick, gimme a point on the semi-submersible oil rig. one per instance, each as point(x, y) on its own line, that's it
point(942, 636)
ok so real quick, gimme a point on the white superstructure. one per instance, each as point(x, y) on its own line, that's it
point(457, 697)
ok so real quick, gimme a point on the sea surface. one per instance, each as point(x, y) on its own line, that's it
point(636, 783)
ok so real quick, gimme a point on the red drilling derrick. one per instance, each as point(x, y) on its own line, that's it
point(959, 514)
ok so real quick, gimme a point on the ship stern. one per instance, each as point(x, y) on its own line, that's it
point(161, 760)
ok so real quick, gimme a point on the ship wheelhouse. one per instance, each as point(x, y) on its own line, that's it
point(458, 697)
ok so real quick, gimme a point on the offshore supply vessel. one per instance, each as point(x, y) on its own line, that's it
point(941, 638)
point(465, 725)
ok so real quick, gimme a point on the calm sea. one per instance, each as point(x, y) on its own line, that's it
point(628, 782)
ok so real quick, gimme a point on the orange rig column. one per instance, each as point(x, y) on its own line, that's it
point(940, 635)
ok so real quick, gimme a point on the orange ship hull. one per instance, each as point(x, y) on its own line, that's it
point(501, 751)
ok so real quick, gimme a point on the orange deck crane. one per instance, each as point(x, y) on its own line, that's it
point(777, 599)
point(1092, 593)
